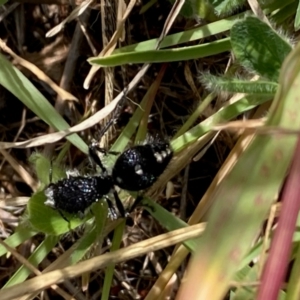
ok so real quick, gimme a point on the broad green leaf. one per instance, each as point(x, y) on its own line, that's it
point(258, 47)
point(43, 168)
point(48, 220)
point(42, 217)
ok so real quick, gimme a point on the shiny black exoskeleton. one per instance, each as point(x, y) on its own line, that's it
point(136, 169)
point(77, 193)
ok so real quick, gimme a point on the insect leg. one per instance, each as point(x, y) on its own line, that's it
point(51, 171)
point(136, 202)
point(119, 205)
point(93, 148)
point(111, 209)
point(63, 216)
point(115, 114)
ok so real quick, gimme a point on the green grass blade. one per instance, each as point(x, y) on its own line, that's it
point(48, 220)
point(20, 236)
point(297, 18)
point(158, 56)
point(129, 130)
point(249, 292)
point(293, 287)
point(184, 36)
point(35, 259)
point(284, 13)
point(167, 220)
point(195, 115)
point(224, 114)
point(93, 233)
point(14, 81)
point(109, 273)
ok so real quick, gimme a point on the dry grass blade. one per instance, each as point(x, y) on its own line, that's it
point(75, 13)
point(14, 201)
point(110, 47)
point(170, 20)
point(65, 95)
point(20, 170)
point(258, 11)
point(238, 125)
point(255, 126)
point(153, 244)
point(54, 137)
point(33, 269)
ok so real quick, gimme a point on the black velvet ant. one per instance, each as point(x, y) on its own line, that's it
point(136, 169)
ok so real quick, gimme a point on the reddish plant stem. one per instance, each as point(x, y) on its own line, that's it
point(276, 266)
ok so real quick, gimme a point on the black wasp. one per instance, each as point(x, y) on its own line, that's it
point(136, 169)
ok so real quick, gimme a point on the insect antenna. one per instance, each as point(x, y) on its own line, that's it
point(93, 148)
point(115, 114)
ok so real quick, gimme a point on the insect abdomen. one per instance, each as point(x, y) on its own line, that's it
point(76, 194)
